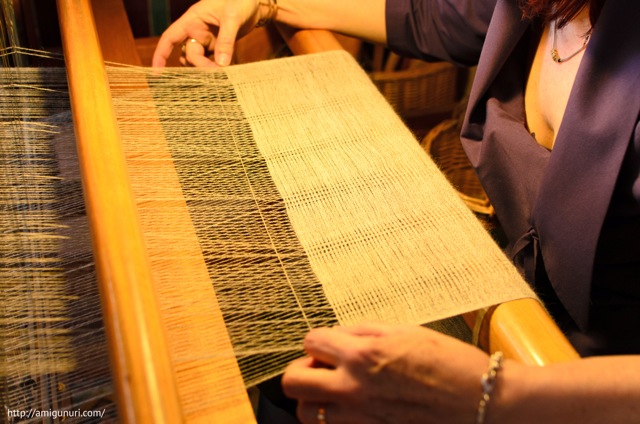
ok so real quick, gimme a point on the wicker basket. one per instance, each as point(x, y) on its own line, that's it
point(443, 144)
point(422, 89)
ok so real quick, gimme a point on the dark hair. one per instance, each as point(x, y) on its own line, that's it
point(561, 11)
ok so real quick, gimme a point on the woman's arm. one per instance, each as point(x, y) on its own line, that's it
point(409, 374)
point(358, 18)
point(216, 24)
point(593, 390)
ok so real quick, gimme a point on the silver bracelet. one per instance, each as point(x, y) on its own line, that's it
point(488, 382)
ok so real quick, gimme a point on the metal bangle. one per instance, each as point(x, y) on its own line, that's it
point(488, 382)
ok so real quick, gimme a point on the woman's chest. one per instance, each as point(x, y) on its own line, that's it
point(549, 85)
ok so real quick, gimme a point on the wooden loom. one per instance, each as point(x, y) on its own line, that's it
point(140, 361)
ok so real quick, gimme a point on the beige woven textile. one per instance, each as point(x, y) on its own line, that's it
point(384, 231)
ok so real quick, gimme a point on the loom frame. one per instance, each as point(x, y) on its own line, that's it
point(98, 30)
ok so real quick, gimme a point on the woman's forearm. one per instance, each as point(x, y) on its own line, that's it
point(360, 18)
point(592, 390)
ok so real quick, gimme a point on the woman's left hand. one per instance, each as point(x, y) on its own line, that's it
point(213, 26)
point(385, 374)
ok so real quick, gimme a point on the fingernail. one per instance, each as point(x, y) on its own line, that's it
point(223, 59)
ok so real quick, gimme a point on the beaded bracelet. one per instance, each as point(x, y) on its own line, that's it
point(488, 382)
point(273, 9)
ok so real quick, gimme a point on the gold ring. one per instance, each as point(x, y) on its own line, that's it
point(322, 417)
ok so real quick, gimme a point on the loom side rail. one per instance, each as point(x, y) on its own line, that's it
point(523, 330)
point(309, 40)
point(143, 375)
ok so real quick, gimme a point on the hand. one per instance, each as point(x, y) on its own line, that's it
point(386, 374)
point(215, 25)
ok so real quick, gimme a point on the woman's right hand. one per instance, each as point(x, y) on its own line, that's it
point(215, 25)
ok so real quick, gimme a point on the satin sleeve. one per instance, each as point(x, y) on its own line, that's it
point(449, 30)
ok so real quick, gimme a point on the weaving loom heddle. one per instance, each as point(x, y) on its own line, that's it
point(270, 198)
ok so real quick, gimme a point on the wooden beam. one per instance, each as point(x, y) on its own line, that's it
point(309, 40)
point(142, 370)
point(523, 330)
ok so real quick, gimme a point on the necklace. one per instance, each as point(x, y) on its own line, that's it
point(554, 52)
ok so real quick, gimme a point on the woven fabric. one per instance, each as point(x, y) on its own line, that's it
point(384, 231)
